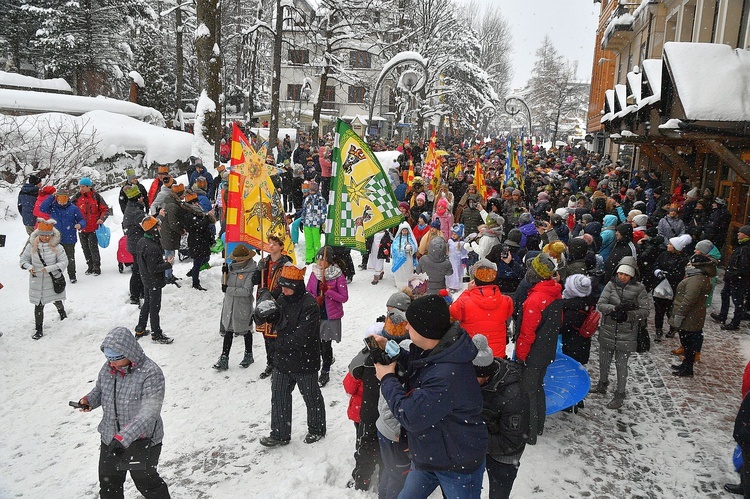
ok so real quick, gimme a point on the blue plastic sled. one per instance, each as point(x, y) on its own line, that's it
point(566, 383)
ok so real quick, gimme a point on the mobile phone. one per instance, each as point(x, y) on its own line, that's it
point(77, 405)
point(371, 343)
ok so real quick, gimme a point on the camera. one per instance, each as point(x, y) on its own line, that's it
point(504, 251)
point(539, 223)
point(377, 354)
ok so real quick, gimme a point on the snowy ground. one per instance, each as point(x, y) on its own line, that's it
point(671, 439)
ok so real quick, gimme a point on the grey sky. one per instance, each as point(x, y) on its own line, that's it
point(570, 24)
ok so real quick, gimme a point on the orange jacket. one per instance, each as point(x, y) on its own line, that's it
point(484, 310)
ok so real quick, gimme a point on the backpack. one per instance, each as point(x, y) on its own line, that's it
point(590, 323)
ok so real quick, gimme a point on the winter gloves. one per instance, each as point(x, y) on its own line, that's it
point(620, 312)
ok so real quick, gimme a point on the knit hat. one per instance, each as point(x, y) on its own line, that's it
point(484, 362)
point(241, 253)
point(484, 272)
point(524, 218)
point(679, 242)
point(543, 266)
point(149, 223)
point(626, 231)
point(514, 238)
point(399, 300)
point(633, 213)
point(425, 216)
point(130, 173)
point(745, 229)
point(555, 249)
point(704, 246)
point(132, 192)
point(34, 180)
point(86, 182)
point(429, 316)
point(292, 276)
point(435, 223)
point(494, 220)
point(517, 192)
point(693, 193)
point(404, 205)
point(112, 355)
point(626, 269)
point(178, 189)
point(542, 196)
point(45, 227)
point(577, 248)
point(577, 286)
point(700, 259)
point(164, 169)
point(458, 229)
point(421, 196)
point(640, 220)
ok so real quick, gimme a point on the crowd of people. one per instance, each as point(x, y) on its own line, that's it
point(438, 397)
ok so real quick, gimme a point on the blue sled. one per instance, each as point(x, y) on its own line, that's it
point(566, 383)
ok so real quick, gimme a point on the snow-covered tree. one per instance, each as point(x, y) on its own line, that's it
point(207, 44)
point(17, 27)
point(158, 91)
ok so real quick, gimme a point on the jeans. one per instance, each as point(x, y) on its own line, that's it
point(90, 246)
point(168, 273)
point(501, 477)
point(196, 270)
point(148, 482)
point(395, 467)
point(455, 485)
point(70, 252)
point(736, 291)
point(150, 309)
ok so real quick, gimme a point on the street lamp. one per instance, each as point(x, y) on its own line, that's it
point(305, 93)
point(514, 104)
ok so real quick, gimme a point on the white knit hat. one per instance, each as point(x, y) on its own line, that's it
point(679, 242)
point(577, 286)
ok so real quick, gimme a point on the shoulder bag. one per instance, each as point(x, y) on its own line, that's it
point(58, 282)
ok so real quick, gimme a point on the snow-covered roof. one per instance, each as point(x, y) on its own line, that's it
point(651, 77)
point(634, 85)
point(117, 133)
point(609, 105)
point(21, 81)
point(621, 95)
point(42, 102)
point(712, 80)
point(617, 23)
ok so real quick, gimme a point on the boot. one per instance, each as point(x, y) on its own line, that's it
point(375, 279)
point(120, 267)
point(247, 359)
point(270, 441)
point(685, 372)
point(730, 327)
point(718, 318)
point(324, 378)
point(222, 364)
point(671, 333)
point(679, 351)
point(97, 271)
point(678, 367)
point(267, 372)
point(616, 402)
point(161, 338)
point(659, 335)
point(601, 387)
point(311, 438)
point(62, 313)
point(141, 334)
point(734, 488)
point(38, 334)
point(199, 287)
point(697, 357)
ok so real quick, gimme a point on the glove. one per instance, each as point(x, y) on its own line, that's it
point(380, 319)
point(627, 307)
point(115, 447)
point(659, 273)
point(392, 349)
point(677, 321)
point(224, 288)
point(619, 316)
point(262, 264)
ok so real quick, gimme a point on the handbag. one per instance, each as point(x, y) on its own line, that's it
point(103, 235)
point(590, 323)
point(58, 282)
point(664, 290)
point(644, 340)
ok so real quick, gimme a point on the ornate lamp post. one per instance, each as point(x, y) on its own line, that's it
point(514, 104)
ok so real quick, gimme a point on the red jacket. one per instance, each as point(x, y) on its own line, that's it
point(353, 387)
point(484, 310)
point(154, 190)
point(46, 192)
point(419, 233)
point(92, 207)
point(541, 295)
point(746, 380)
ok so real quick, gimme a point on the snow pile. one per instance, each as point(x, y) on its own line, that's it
point(651, 75)
point(137, 78)
point(622, 22)
point(201, 147)
point(673, 124)
point(21, 81)
point(712, 80)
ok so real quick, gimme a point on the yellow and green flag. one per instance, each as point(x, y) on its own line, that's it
point(361, 200)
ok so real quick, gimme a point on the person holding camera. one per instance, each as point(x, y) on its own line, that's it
point(625, 305)
point(130, 390)
point(43, 256)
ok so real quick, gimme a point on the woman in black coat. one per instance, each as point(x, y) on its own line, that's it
point(578, 299)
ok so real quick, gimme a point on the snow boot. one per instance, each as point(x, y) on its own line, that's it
point(685, 372)
point(38, 334)
point(199, 287)
point(600, 388)
point(141, 334)
point(266, 372)
point(63, 315)
point(222, 364)
point(120, 267)
point(161, 338)
point(734, 488)
point(247, 360)
point(659, 336)
point(679, 350)
point(271, 441)
point(718, 318)
point(616, 402)
point(324, 379)
point(311, 438)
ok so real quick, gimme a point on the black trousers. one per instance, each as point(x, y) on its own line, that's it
point(270, 350)
point(367, 451)
point(662, 307)
point(229, 339)
point(326, 354)
point(148, 482)
point(39, 313)
point(70, 252)
point(90, 246)
point(136, 284)
point(692, 341)
point(736, 292)
point(150, 310)
point(501, 477)
point(282, 385)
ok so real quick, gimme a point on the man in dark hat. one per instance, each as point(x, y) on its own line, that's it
point(152, 266)
point(736, 280)
point(440, 405)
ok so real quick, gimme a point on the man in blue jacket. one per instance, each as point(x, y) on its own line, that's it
point(69, 221)
point(26, 201)
point(440, 406)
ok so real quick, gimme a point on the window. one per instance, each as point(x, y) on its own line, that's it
point(299, 57)
point(360, 59)
point(293, 92)
point(330, 94)
point(356, 95)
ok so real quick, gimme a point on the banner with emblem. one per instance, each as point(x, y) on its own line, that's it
point(361, 200)
point(254, 208)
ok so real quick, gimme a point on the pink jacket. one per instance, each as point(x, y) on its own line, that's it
point(335, 297)
point(325, 163)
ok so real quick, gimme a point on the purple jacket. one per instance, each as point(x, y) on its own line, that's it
point(336, 296)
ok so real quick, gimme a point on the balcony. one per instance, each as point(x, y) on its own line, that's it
point(619, 30)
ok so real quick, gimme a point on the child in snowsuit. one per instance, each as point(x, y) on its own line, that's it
point(436, 265)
